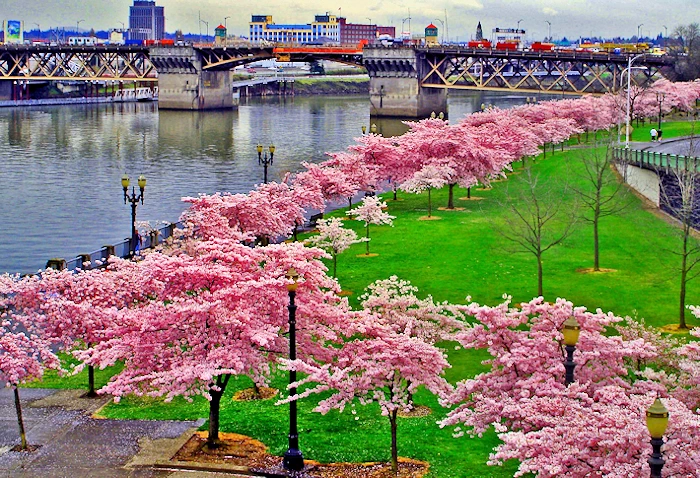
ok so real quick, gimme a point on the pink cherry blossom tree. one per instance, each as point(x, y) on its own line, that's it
point(333, 238)
point(217, 312)
point(24, 351)
point(426, 179)
point(371, 211)
point(395, 304)
point(77, 309)
point(595, 425)
point(380, 366)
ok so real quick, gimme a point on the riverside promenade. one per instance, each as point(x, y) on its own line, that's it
point(71, 443)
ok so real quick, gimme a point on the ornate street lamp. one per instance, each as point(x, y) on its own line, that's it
point(657, 421)
point(293, 458)
point(364, 130)
point(571, 331)
point(373, 129)
point(134, 200)
point(264, 160)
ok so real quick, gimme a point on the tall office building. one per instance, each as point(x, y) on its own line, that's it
point(146, 21)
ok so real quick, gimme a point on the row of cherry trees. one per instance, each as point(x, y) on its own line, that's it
point(186, 318)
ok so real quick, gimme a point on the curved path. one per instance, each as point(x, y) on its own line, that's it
point(687, 146)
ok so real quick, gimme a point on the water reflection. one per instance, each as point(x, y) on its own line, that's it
point(61, 165)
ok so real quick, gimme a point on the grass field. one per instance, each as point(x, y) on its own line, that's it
point(457, 256)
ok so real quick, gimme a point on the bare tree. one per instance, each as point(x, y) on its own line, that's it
point(602, 195)
point(680, 197)
point(686, 53)
point(537, 219)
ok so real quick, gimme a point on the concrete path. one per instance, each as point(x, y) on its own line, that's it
point(680, 146)
point(72, 444)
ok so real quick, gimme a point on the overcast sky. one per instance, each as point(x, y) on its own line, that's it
point(570, 18)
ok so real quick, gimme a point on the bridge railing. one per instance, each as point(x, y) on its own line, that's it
point(121, 249)
point(654, 160)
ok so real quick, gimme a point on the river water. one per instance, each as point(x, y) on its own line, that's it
point(61, 166)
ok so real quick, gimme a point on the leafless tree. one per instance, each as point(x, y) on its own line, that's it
point(680, 197)
point(602, 194)
point(537, 219)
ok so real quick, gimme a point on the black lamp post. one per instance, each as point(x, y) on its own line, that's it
point(657, 421)
point(264, 160)
point(293, 458)
point(134, 199)
point(571, 332)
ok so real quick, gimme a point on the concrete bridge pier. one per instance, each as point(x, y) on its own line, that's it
point(184, 85)
point(394, 84)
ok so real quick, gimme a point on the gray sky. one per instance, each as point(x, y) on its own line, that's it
point(570, 18)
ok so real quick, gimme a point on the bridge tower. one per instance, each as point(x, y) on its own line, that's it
point(394, 83)
point(183, 84)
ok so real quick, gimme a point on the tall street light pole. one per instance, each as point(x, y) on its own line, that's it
point(549, 30)
point(134, 200)
point(293, 459)
point(207, 24)
point(443, 29)
point(639, 31)
point(77, 26)
point(630, 60)
point(518, 27)
point(226, 18)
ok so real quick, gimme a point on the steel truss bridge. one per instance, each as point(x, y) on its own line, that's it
point(76, 63)
point(436, 67)
point(565, 72)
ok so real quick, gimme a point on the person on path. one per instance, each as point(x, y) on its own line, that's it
point(658, 135)
point(653, 133)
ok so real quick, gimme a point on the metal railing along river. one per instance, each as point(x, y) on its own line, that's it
point(654, 161)
point(121, 249)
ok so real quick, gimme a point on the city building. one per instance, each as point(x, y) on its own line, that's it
point(479, 33)
point(146, 21)
point(391, 31)
point(508, 35)
point(324, 29)
point(431, 35)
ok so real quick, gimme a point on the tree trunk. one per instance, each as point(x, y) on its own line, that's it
point(429, 203)
point(367, 236)
point(684, 281)
point(214, 409)
point(539, 275)
point(469, 192)
point(335, 264)
point(395, 198)
point(350, 202)
point(596, 248)
point(91, 382)
point(394, 447)
point(450, 197)
point(20, 422)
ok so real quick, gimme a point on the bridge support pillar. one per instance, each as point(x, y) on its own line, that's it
point(394, 84)
point(184, 85)
point(6, 90)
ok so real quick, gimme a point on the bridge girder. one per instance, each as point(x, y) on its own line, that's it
point(549, 72)
point(76, 63)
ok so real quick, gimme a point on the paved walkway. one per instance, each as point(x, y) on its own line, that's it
point(687, 146)
point(72, 444)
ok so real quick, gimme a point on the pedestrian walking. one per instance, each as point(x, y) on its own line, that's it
point(658, 135)
point(654, 134)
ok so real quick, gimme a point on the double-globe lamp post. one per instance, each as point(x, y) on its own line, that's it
point(134, 200)
point(293, 459)
point(263, 159)
point(571, 331)
point(657, 421)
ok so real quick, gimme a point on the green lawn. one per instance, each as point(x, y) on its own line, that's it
point(452, 258)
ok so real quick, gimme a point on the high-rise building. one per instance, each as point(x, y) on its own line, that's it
point(146, 21)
